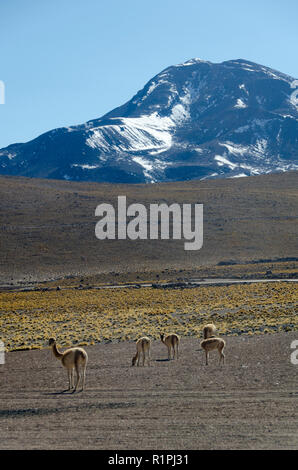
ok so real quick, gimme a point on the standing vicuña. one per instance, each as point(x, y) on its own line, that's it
point(73, 358)
point(171, 342)
point(211, 344)
point(143, 345)
point(209, 330)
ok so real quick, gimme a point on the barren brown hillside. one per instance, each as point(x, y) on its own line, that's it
point(47, 226)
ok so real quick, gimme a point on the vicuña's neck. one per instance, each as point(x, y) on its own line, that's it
point(56, 352)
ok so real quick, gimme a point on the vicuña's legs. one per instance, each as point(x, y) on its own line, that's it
point(70, 378)
point(84, 376)
point(206, 352)
point(78, 375)
point(222, 356)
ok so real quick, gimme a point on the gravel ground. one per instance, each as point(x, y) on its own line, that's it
point(248, 403)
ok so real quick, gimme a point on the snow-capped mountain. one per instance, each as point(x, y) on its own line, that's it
point(195, 120)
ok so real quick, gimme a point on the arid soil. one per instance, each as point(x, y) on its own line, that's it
point(248, 403)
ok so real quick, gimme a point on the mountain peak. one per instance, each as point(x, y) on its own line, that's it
point(190, 121)
point(193, 61)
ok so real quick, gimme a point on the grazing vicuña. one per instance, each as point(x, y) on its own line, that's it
point(172, 342)
point(211, 344)
point(143, 346)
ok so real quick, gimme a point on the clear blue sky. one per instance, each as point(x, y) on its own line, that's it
point(64, 62)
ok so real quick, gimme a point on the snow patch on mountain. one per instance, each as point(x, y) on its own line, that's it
point(235, 149)
point(240, 104)
point(242, 87)
point(192, 62)
point(179, 113)
point(151, 168)
point(85, 166)
point(133, 134)
point(294, 95)
point(224, 161)
point(147, 165)
point(240, 175)
point(253, 125)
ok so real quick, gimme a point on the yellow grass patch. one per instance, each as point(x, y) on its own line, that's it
point(28, 319)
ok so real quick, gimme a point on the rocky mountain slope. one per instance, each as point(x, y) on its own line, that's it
point(195, 120)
